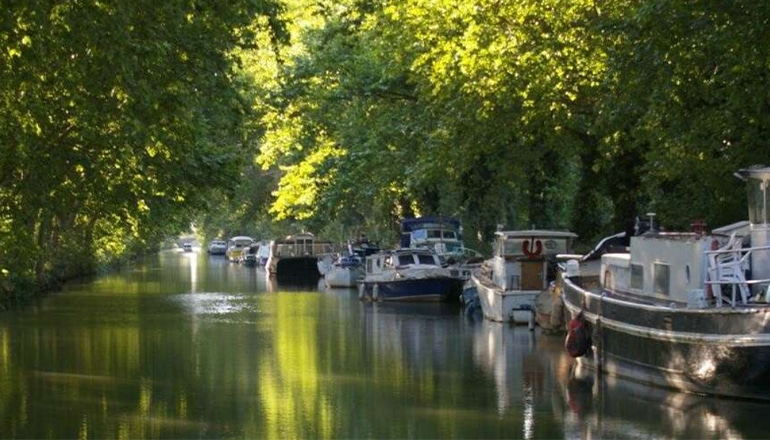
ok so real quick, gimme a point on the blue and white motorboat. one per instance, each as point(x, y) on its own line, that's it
point(443, 234)
point(408, 275)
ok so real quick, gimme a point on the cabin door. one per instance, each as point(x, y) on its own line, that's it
point(532, 275)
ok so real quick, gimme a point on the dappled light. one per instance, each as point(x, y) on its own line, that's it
point(125, 124)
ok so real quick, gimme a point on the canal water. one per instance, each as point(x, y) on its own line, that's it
point(183, 345)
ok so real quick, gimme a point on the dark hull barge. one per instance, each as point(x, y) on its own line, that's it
point(687, 311)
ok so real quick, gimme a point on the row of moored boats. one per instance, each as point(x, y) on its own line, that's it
point(684, 310)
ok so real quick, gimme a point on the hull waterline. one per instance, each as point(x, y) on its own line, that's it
point(505, 306)
point(343, 276)
point(715, 351)
point(425, 289)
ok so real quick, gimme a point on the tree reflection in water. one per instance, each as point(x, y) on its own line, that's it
point(177, 346)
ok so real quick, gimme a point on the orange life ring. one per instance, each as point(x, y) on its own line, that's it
point(532, 253)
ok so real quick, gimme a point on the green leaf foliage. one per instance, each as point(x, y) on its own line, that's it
point(123, 122)
point(547, 113)
point(118, 121)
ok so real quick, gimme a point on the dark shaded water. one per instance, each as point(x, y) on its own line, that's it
point(187, 346)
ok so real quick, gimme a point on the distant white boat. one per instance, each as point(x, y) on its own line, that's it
point(236, 246)
point(442, 234)
point(341, 271)
point(263, 252)
point(345, 269)
point(217, 247)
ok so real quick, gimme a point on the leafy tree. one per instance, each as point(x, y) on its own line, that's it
point(686, 106)
point(471, 109)
point(117, 119)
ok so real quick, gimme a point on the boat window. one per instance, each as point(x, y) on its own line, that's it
point(661, 277)
point(425, 259)
point(280, 250)
point(511, 248)
point(514, 283)
point(637, 276)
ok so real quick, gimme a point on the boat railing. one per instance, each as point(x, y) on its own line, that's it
point(303, 249)
point(727, 266)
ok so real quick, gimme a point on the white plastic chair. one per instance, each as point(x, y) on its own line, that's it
point(727, 266)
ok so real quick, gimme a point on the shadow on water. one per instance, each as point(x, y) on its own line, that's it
point(287, 283)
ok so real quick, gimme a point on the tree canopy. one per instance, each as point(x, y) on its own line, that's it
point(124, 121)
point(548, 113)
point(118, 120)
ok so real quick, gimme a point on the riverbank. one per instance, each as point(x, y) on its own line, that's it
point(17, 289)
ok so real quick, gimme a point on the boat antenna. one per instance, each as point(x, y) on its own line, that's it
point(651, 215)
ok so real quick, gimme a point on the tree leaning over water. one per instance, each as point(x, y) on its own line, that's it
point(118, 119)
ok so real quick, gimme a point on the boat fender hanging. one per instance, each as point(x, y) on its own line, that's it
point(577, 341)
point(535, 251)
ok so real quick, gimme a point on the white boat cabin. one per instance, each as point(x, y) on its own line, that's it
point(300, 245)
point(520, 258)
point(442, 240)
point(443, 234)
point(731, 265)
point(661, 265)
point(389, 262)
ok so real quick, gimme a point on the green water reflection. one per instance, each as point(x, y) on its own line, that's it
point(187, 346)
point(183, 345)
